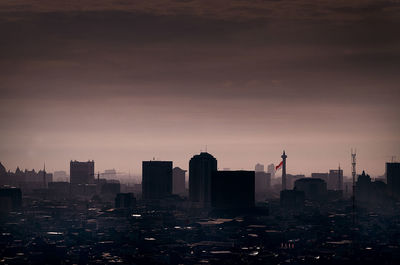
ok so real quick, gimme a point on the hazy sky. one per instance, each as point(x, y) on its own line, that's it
point(125, 81)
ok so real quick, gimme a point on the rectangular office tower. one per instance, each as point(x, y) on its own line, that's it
point(335, 179)
point(81, 172)
point(232, 189)
point(201, 168)
point(178, 176)
point(393, 179)
point(156, 179)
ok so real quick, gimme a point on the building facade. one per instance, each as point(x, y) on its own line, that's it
point(201, 168)
point(81, 172)
point(156, 179)
point(232, 189)
point(178, 179)
point(393, 179)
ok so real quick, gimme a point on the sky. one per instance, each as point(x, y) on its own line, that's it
point(120, 82)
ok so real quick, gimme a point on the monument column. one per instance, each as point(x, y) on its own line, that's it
point(284, 156)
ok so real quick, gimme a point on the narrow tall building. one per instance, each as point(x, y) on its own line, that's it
point(271, 170)
point(156, 179)
point(201, 168)
point(81, 172)
point(393, 179)
point(178, 179)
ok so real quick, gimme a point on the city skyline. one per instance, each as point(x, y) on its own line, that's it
point(135, 174)
point(200, 132)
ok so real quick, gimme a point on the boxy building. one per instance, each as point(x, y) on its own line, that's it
point(232, 189)
point(156, 179)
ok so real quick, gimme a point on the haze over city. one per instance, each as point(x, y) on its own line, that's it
point(121, 82)
point(221, 132)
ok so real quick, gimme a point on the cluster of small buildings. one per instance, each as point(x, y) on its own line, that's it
point(225, 217)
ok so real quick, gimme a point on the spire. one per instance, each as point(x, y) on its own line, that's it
point(284, 156)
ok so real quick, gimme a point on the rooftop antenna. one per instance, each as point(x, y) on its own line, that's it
point(206, 148)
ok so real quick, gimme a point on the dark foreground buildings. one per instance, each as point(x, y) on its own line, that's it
point(10, 199)
point(178, 180)
point(232, 189)
point(156, 179)
point(201, 168)
point(97, 230)
point(125, 200)
point(393, 179)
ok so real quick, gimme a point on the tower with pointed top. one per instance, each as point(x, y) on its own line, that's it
point(284, 156)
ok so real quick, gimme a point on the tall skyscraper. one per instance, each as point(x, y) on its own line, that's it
point(259, 167)
point(201, 168)
point(178, 176)
point(156, 179)
point(393, 179)
point(81, 172)
point(232, 189)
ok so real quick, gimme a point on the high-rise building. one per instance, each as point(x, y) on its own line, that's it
point(201, 168)
point(335, 179)
point(81, 172)
point(271, 170)
point(156, 179)
point(232, 189)
point(393, 179)
point(178, 180)
point(259, 167)
point(370, 193)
